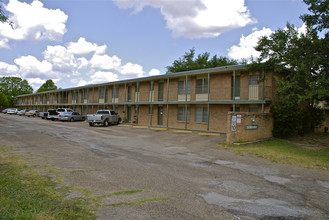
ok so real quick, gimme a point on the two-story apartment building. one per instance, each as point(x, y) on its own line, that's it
point(198, 99)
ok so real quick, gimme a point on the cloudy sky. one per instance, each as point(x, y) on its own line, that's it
point(79, 42)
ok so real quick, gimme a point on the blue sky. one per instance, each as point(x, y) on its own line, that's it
point(79, 42)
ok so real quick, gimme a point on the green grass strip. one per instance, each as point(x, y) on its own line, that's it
point(25, 194)
point(282, 151)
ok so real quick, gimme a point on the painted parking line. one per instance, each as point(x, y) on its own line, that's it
point(160, 129)
point(140, 127)
point(125, 125)
point(182, 131)
point(209, 134)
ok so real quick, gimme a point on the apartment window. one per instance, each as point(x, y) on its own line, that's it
point(151, 86)
point(237, 109)
point(202, 86)
point(182, 87)
point(47, 98)
point(253, 80)
point(160, 91)
point(253, 109)
point(182, 112)
point(74, 96)
point(36, 99)
point(201, 114)
point(101, 94)
point(236, 89)
point(129, 94)
point(137, 88)
point(86, 94)
point(115, 92)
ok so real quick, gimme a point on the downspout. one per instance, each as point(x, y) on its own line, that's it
point(186, 102)
point(263, 95)
point(208, 109)
point(167, 101)
point(233, 90)
point(124, 105)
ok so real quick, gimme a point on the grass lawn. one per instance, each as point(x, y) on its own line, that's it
point(283, 151)
point(25, 194)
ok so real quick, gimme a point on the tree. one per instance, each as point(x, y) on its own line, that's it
point(3, 100)
point(319, 20)
point(47, 86)
point(303, 60)
point(203, 61)
point(4, 18)
point(14, 86)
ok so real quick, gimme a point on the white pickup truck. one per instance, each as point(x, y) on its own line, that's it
point(104, 117)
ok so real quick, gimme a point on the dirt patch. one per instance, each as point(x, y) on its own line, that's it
point(313, 140)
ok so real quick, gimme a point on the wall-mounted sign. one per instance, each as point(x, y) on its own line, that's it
point(238, 120)
point(251, 127)
point(233, 127)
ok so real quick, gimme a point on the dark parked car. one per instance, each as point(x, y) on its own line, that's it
point(71, 116)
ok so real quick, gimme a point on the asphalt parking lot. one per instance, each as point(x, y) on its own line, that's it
point(182, 175)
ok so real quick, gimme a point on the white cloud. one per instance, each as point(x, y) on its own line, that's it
point(8, 70)
point(131, 70)
point(246, 47)
point(36, 82)
point(33, 22)
point(4, 43)
point(82, 82)
point(103, 77)
point(197, 18)
point(105, 62)
point(69, 66)
point(82, 47)
point(30, 67)
point(61, 59)
point(154, 72)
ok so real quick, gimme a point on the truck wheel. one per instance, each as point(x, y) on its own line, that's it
point(91, 124)
point(72, 120)
point(53, 119)
point(83, 118)
point(106, 123)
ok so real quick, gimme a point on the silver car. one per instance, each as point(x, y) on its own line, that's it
point(71, 116)
point(22, 112)
point(12, 111)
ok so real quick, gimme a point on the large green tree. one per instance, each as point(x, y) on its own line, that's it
point(47, 86)
point(14, 86)
point(303, 60)
point(3, 100)
point(203, 61)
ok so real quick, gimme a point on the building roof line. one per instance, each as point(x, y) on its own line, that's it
point(163, 76)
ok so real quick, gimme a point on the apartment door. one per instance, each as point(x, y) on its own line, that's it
point(160, 115)
point(128, 114)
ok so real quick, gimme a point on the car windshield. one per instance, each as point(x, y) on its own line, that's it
point(102, 113)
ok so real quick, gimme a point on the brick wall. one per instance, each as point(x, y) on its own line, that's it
point(264, 121)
